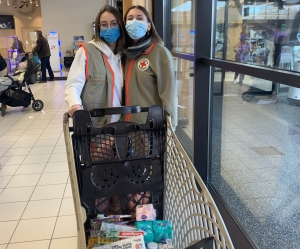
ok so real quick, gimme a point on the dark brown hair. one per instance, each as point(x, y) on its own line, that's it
point(116, 13)
point(39, 33)
point(152, 31)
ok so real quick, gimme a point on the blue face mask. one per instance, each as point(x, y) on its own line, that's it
point(110, 35)
point(136, 29)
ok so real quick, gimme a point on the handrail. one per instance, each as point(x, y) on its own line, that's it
point(289, 78)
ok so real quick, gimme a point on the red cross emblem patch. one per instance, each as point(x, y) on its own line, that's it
point(143, 64)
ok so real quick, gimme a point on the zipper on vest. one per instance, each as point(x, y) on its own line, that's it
point(127, 96)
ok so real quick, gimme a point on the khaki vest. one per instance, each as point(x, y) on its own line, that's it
point(97, 91)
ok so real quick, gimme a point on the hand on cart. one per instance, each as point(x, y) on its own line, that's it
point(73, 109)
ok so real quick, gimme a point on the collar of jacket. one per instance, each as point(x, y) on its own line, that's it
point(138, 48)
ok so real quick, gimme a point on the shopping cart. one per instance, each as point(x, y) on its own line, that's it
point(134, 163)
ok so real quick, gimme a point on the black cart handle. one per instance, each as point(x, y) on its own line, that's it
point(101, 112)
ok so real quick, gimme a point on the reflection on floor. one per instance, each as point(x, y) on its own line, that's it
point(256, 165)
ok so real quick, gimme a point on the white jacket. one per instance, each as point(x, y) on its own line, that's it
point(76, 77)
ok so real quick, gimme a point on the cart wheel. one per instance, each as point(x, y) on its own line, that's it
point(246, 96)
point(37, 105)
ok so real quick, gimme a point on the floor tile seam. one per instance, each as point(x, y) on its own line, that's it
point(29, 241)
point(46, 217)
point(58, 213)
point(13, 135)
point(50, 240)
point(36, 183)
point(40, 173)
point(10, 179)
point(33, 200)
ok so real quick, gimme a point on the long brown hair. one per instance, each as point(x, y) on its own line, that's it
point(155, 36)
point(116, 13)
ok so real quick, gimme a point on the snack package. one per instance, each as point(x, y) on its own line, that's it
point(145, 212)
point(145, 226)
point(92, 242)
point(113, 227)
point(130, 243)
point(96, 223)
point(162, 230)
point(122, 234)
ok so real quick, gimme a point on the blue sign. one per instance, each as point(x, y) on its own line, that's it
point(192, 32)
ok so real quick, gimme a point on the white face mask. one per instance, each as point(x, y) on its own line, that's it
point(136, 29)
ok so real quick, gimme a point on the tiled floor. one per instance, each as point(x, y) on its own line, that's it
point(36, 205)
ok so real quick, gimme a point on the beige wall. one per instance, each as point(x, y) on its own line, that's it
point(20, 22)
point(70, 18)
point(129, 3)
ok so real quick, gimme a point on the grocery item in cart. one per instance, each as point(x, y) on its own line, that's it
point(162, 230)
point(145, 212)
point(147, 227)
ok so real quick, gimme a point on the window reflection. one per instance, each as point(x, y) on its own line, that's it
point(261, 32)
point(182, 20)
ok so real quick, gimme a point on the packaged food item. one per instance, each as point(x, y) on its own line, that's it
point(122, 216)
point(162, 230)
point(145, 226)
point(104, 240)
point(96, 223)
point(130, 243)
point(169, 244)
point(145, 212)
point(122, 234)
point(92, 242)
point(115, 227)
point(152, 245)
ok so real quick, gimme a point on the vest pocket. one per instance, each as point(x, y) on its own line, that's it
point(95, 91)
point(97, 78)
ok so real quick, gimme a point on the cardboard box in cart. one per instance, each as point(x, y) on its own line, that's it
point(182, 204)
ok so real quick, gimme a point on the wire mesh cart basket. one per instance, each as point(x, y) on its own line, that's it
point(121, 165)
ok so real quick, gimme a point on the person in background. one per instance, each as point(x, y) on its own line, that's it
point(242, 54)
point(281, 41)
point(149, 70)
point(19, 46)
point(3, 66)
point(43, 51)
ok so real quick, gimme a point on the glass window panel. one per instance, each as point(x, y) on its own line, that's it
point(260, 32)
point(255, 157)
point(182, 21)
point(185, 84)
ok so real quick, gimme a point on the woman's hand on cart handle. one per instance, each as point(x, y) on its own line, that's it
point(73, 109)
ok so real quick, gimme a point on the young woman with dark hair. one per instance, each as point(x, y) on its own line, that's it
point(95, 79)
point(149, 70)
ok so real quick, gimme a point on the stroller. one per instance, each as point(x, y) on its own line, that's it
point(11, 92)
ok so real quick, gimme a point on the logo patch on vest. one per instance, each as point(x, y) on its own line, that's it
point(143, 64)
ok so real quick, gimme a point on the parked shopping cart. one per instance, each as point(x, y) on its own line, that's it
point(123, 164)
